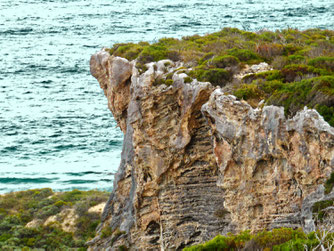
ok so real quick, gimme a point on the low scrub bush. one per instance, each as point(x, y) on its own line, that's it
point(19, 208)
point(280, 239)
point(323, 62)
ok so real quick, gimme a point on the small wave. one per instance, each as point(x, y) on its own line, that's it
point(106, 180)
point(65, 147)
point(11, 133)
point(46, 82)
point(72, 70)
point(40, 141)
point(23, 31)
point(8, 149)
point(25, 180)
point(79, 181)
point(90, 46)
point(83, 173)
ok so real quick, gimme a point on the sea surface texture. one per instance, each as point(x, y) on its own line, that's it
point(55, 128)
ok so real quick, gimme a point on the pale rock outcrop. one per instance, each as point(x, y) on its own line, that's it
point(268, 164)
point(197, 163)
point(97, 209)
point(66, 220)
point(252, 69)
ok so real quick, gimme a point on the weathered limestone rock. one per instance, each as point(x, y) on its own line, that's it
point(165, 194)
point(197, 163)
point(267, 164)
point(253, 69)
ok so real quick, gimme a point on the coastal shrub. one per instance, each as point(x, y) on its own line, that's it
point(295, 72)
point(267, 75)
point(290, 49)
point(323, 62)
point(86, 225)
point(215, 76)
point(297, 245)
point(326, 112)
point(206, 57)
point(42, 203)
point(249, 91)
point(224, 61)
point(279, 62)
point(329, 184)
point(217, 243)
point(268, 239)
point(160, 81)
point(269, 87)
point(280, 48)
point(129, 51)
point(188, 79)
point(294, 96)
point(318, 208)
point(269, 50)
point(244, 55)
point(47, 211)
point(268, 36)
point(277, 239)
point(296, 59)
point(169, 82)
point(315, 92)
point(152, 53)
point(106, 232)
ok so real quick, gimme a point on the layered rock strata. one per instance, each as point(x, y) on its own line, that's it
point(197, 163)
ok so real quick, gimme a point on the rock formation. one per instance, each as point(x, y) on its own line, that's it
point(197, 163)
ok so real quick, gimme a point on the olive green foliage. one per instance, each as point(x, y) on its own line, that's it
point(244, 55)
point(329, 184)
point(249, 91)
point(215, 76)
point(224, 61)
point(248, 47)
point(323, 62)
point(278, 239)
point(315, 93)
point(326, 112)
point(269, 239)
point(303, 75)
point(229, 242)
point(188, 80)
point(300, 59)
point(19, 208)
point(274, 87)
point(318, 208)
point(106, 232)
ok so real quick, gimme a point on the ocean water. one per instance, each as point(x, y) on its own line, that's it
point(55, 128)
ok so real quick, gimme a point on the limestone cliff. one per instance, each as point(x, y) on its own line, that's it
point(197, 163)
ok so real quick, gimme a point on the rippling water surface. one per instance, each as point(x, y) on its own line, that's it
point(55, 128)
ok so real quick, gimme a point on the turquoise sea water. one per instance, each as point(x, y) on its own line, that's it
point(55, 128)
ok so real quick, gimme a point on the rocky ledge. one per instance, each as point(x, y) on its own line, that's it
point(197, 162)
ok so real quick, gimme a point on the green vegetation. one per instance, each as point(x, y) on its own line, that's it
point(249, 47)
point(315, 92)
point(216, 76)
point(278, 239)
point(318, 208)
point(19, 208)
point(303, 63)
point(329, 184)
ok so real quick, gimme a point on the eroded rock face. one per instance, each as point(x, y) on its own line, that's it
point(165, 193)
point(267, 164)
point(197, 163)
